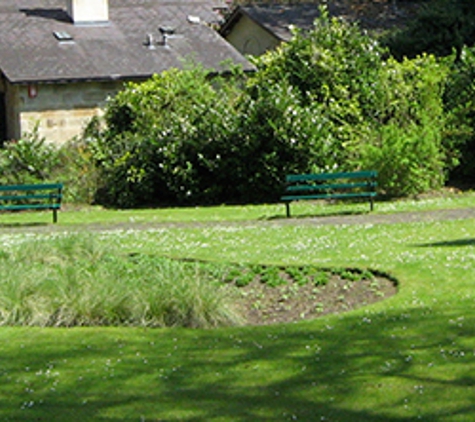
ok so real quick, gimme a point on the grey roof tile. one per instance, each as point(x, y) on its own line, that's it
point(276, 18)
point(29, 52)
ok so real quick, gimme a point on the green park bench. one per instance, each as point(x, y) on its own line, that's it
point(31, 197)
point(359, 184)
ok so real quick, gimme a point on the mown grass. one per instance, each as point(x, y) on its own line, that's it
point(409, 358)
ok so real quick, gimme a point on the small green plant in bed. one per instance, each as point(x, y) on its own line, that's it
point(271, 276)
point(242, 275)
point(321, 278)
point(307, 274)
point(353, 274)
point(298, 275)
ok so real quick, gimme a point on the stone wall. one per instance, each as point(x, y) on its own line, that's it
point(61, 111)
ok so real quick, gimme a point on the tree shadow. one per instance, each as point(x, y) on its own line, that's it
point(448, 243)
point(360, 367)
point(20, 225)
point(314, 215)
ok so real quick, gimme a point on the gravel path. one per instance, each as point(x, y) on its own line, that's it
point(403, 217)
point(393, 218)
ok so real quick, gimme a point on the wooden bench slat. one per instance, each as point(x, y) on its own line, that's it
point(26, 197)
point(329, 196)
point(332, 176)
point(316, 186)
point(329, 187)
point(48, 186)
point(29, 207)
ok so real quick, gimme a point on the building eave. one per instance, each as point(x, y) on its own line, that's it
point(238, 13)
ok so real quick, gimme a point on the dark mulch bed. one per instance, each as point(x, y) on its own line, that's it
point(263, 305)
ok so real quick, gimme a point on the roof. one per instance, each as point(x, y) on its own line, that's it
point(277, 18)
point(116, 50)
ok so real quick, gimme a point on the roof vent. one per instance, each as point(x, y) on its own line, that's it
point(194, 19)
point(88, 11)
point(149, 42)
point(167, 32)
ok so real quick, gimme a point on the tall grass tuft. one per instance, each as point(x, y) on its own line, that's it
point(81, 280)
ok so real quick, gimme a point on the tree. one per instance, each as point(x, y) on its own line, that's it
point(165, 139)
point(441, 27)
point(332, 69)
point(328, 99)
point(459, 105)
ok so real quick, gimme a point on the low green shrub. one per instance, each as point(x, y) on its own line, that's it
point(30, 159)
point(78, 171)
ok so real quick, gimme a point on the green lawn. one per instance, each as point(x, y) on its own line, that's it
point(409, 358)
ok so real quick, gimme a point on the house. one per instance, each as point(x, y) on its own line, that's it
point(61, 59)
point(256, 28)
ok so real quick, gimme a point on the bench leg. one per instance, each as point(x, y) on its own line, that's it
point(371, 206)
point(55, 215)
point(287, 209)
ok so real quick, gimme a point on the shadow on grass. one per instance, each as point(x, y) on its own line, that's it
point(314, 215)
point(20, 225)
point(360, 367)
point(449, 243)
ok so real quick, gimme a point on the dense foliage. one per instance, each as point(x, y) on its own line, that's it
point(28, 160)
point(332, 70)
point(459, 104)
point(441, 27)
point(367, 112)
point(32, 159)
point(325, 101)
point(405, 137)
point(166, 140)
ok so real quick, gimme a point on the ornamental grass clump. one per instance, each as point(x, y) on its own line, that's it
point(81, 280)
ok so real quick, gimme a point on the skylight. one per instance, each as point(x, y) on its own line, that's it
point(63, 36)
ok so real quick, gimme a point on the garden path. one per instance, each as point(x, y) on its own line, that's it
point(340, 219)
